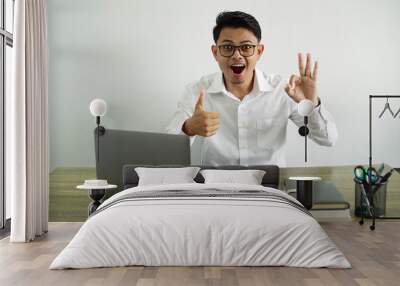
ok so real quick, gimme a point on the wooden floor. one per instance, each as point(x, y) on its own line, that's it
point(375, 257)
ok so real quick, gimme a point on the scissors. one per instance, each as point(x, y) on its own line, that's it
point(364, 175)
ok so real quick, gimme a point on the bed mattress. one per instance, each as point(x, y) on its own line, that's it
point(201, 225)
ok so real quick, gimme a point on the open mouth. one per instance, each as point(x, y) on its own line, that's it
point(238, 68)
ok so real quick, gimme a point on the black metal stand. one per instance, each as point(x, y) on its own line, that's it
point(368, 203)
point(100, 130)
point(304, 131)
point(370, 198)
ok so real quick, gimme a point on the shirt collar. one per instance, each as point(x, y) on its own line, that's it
point(260, 84)
point(217, 84)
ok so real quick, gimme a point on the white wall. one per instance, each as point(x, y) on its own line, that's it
point(139, 55)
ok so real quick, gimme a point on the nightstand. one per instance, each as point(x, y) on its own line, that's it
point(304, 190)
point(96, 193)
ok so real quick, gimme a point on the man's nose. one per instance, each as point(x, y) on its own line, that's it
point(236, 54)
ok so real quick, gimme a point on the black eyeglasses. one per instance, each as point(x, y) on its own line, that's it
point(245, 50)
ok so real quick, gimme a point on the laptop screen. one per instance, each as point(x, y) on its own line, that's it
point(120, 147)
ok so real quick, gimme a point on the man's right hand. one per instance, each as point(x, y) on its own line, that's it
point(201, 123)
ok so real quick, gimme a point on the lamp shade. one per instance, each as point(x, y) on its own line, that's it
point(98, 107)
point(305, 107)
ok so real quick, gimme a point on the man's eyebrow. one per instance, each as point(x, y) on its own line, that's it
point(242, 42)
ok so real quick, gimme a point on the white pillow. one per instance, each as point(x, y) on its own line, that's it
point(163, 176)
point(248, 177)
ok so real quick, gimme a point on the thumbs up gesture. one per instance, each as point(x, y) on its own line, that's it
point(201, 123)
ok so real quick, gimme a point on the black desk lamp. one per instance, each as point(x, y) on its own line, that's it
point(305, 108)
point(98, 108)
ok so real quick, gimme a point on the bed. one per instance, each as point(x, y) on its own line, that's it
point(201, 224)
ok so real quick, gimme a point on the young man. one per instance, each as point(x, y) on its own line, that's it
point(240, 113)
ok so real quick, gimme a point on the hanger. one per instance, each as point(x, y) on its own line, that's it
point(387, 107)
point(397, 113)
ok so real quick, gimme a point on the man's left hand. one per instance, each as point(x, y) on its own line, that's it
point(304, 86)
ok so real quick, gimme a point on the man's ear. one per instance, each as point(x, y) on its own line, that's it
point(214, 51)
point(260, 50)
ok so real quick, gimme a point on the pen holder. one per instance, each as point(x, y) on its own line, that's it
point(378, 198)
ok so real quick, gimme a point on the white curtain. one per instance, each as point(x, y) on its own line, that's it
point(28, 121)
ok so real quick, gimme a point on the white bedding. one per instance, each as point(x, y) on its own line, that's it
point(200, 231)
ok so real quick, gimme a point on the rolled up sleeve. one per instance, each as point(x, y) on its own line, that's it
point(184, 111)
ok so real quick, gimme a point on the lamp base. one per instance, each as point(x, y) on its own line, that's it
point(304, 131)
point(101, 130)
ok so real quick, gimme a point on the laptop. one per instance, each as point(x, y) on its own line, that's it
point(120, 147)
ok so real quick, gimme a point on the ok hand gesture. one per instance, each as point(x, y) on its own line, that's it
point(304, 86)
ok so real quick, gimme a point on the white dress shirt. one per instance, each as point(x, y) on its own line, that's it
point(252, 131)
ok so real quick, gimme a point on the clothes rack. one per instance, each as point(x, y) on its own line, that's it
point(371, 201)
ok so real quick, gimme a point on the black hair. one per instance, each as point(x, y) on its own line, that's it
point(236, 19)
